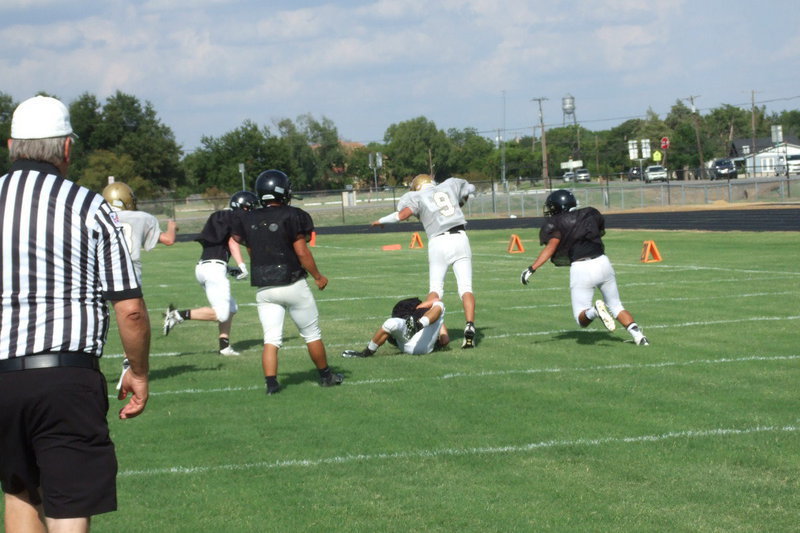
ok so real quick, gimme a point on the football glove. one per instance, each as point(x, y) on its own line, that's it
point(526, 275)
point(243, 271)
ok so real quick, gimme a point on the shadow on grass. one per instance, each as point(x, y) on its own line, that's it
point(587, 337)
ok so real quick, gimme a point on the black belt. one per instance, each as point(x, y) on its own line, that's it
point(50, 360)
point(204, 261)
point(587, 258)
point(454, 229)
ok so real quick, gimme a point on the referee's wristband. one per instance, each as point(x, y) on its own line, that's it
point(391, 218)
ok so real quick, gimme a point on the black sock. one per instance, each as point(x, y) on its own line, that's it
point(224, 342)
point(186, 314)
point(271, 381)
point(324, 372)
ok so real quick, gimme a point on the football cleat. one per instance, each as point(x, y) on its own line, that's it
point(228, 350)
point(605, 316)
point(642, 341)
point(357, 353)
point(412, 327)
point(331, 380)
point(469, 336)
point(171, 319)
point(273, 389)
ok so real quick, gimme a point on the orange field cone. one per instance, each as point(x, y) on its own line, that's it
point(650, 252)
point(389, 247)
point(313, 241)
point(515, 245)
point(416, 242)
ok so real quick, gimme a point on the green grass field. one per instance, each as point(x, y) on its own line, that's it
point(542, 427)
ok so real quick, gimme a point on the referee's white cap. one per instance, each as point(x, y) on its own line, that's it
point(41, 117)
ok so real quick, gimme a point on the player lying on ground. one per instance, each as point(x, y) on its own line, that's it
point(415, 327)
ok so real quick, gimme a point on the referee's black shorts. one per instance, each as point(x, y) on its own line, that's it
point(54, 435)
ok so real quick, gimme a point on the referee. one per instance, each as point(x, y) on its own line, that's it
point(63, 256)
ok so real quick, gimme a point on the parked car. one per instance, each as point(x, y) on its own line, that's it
point(568, 177)
point(634, 173)
point(722, 169)
point(655, 173)
point(582, 174)
point(794, 164)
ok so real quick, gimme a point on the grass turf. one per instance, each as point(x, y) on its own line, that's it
point(543, 426)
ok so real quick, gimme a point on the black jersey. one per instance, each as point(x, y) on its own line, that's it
point(579, 233)
point(269, 234)
point(215, 234)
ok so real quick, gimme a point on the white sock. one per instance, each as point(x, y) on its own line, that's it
point(372, 347)
point(636, 333)
point(590, 313)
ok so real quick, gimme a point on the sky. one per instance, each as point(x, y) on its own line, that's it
point(207, 66)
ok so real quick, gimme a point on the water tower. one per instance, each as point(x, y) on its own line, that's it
point(568, 107)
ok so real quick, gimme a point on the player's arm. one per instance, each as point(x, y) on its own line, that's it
point(307, 261)
point(236, 253)
point(393, 218)
point(544, 256)
point(168, 237)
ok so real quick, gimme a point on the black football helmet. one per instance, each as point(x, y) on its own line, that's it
point(245, 200)
point(560, 201)
point(273, 185)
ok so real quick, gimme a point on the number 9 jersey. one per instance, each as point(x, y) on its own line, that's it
point(438, 207)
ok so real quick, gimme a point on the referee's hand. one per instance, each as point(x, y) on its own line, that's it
point(138, 387)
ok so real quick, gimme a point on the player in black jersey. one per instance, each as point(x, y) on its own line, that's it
point(573, 237)
point(280, 260)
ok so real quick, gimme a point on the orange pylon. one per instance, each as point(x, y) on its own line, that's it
point(650, 252)
point(416, 241)
point(515, 245)
point(313, 241)
point(390, 247)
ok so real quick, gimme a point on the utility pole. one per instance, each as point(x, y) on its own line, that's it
point(503, 144)
point(545, 174)
point(753, 129)
point(697, 134)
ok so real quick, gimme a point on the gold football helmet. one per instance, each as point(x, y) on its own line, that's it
point(421, 180)
point(121, 196)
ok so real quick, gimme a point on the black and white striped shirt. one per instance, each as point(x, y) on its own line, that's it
point(62, 257)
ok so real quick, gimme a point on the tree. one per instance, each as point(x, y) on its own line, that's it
point(126, 126)
point(7, 107)
point(417, 147)
point(470, 154)
point(101, 164)
point(216, 163)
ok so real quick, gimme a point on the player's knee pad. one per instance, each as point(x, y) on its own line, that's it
point(311, 333)
point(615, 309)
point(274, 338)
point(225, 312)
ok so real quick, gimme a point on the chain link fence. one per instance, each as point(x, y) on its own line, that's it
point(514, 198)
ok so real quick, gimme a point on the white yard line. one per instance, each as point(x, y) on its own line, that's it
point(462, 452)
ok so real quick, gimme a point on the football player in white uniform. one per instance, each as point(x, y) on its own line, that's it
point(573, 237)
point(212, 272)
point(415, 327)
point(141, 229)
point(438, 207)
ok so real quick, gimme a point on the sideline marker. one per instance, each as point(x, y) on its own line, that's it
point(650, 252)
point(389, 247)
point(313, 241)
point(515, 245)
point(416, 242)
